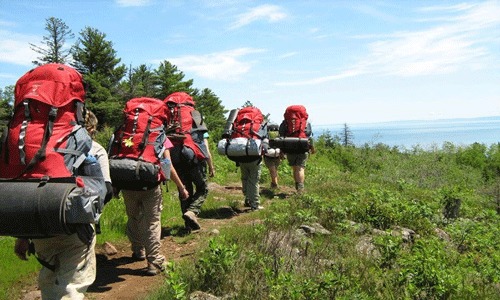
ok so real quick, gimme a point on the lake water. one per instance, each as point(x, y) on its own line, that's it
point(425, 134)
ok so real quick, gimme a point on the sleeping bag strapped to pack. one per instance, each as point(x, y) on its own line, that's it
point(49, 185)
point(185, 129)
point(294, 131)
point(137, 145)
point(244, 143)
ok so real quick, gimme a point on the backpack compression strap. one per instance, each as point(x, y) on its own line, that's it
point(22, 132)
point(40, 154)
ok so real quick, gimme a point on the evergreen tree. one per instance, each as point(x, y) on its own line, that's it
point(96, 59)
point(210, 106)
point(346, 136)
point(52, 49)
point(6, 105)
point(169, 80)
point(141, 82)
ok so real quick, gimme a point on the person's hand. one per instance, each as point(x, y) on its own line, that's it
point(183, 193)
point(211, 172)
point(21, 248)
point(313, 150)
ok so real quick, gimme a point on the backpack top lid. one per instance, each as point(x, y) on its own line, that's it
point(296, 110)
point(180, 98)
point(248, 123)
point(249, 114)
point(53, 84)
point(296, 121)
point(154, 107)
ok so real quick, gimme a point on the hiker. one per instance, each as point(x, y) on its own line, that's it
point(99, 152)
point(186, 129)
point(139, 162)
point(209, 161)
point(66, 251)
point(296, 142)
point(273, 157)
point(144, 215)
point(246, 139)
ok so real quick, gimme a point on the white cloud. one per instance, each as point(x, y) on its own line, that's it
point(271, 13)
point(15, 49)
point(225, 65)
point(289, 54)
point(128, 3)
point(463, 41)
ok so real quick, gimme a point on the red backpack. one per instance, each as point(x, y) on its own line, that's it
point(46, 183)
point(248, 123)
point(296, 121)
point(136, 147)
point(242, 141)
point(180, 111)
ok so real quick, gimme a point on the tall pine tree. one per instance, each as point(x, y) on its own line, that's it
point(96, 59)
point(52, 46)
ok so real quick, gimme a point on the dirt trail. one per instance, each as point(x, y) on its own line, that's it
point(119, 277)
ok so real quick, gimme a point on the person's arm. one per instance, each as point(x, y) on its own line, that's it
point(309, 134)
point(184, 194)
point(211, 169)
point(102, 158)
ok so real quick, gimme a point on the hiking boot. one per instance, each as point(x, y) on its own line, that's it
point(139, 256)
point(274, 186)
point(154, 269)
point(191, 221)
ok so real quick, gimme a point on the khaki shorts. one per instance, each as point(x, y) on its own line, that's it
point(297, 159)
point(272, 161)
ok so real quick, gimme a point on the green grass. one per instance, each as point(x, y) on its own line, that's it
point(358, 194)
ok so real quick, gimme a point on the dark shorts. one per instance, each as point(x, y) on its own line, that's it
point(297, 159)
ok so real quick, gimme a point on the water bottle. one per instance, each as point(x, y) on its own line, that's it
point(91, 166)
point(165, 166)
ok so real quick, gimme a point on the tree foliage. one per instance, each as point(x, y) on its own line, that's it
point(96, 59)
point(170, 79)
point(109, 83)
point(210, 106)
point(6, 103)
point(52, 46)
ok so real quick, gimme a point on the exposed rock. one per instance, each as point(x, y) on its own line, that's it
point(109, 249)
point(442, 234)
point(408, 235)
point(33, 295)
point(366, 247)
point(198, 295)
point(315, 228)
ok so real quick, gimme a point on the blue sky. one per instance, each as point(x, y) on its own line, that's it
point(346, 61)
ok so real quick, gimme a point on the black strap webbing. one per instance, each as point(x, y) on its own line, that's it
point(40, 154)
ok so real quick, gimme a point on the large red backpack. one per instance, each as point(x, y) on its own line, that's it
point(248, 123)
point(243, 139)
point(180, 111)
point(137, 145)
point(45, 183)
point(296, 121)
point(294, 131)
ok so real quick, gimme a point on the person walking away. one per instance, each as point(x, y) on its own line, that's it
point(296, 128)
point(143, 210)
point(139, 163)
point(246, 141)
point(273, 157)
point(188, 155)
point(68, 260)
